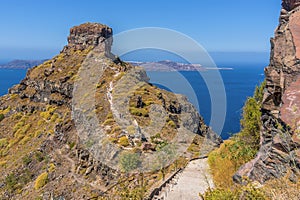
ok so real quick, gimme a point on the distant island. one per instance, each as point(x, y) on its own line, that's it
point(168, 65)
point(21, 64)
point(165, 65)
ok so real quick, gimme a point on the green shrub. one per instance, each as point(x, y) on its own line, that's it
point(133, 193)
point(1, 117)
point(123, 141)
point(20, 133)
point(251, 123)
point(54, 117)
point(129, 161)
point(141, 112)
point(39, 156)
point(89, 143)
point(231, 155)
point(241, 148)
point(11, 182)
point(108, 122)
point(249, 137)
point(3, 163)
point(72, 144)
point(25, 177)
point(41, 181)
point(25, 140)
point(131, 129)
point(246, 192)
point(48, 113)
point(149, 102)
point(4, 112)
point(17, 116)
point(109, 116)
point(3, 142)
point(18, 126)
point(113, 140)
point(26, 160)
point(227, 159)
point(172, 124)
point(195, 149)
point(51, 167)
point(155, 137)
point(259, 92)
point(115, 130)
point(161, 145)
point(220, 194)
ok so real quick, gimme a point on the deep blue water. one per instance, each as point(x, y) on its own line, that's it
point(10, 77)
point(239, 84)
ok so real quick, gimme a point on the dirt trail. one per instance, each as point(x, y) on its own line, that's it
point(75, 176)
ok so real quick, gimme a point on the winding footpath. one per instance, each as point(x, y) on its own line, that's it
point(187, 185)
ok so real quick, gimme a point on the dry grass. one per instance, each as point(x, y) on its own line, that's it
point(67, 65)
point(283, 188)
point(222, 166)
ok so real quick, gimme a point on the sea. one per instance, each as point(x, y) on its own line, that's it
point(239, 82)
point(10, 77)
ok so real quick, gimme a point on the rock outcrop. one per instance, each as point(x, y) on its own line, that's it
point(74, 116)
point(280, 140)
point(90, 35)
point(289, 5)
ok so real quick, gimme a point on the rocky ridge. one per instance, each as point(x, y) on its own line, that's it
point(46, 149)
point(280, 140)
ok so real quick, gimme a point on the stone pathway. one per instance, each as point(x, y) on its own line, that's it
point(194, 179)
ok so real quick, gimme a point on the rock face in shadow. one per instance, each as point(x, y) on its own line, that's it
point(280, 139)
point(290, 4)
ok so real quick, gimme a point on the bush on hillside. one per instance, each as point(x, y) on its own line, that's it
point(245, 192)
point(41, 181)
point(129, 161)
point(241, 148)
point(1, 117)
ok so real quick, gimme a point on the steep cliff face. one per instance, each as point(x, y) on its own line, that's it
point(90, 35)
point(280, 138)
point(66, 126)
point(289, 5)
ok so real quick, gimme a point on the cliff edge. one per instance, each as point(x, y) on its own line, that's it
point(280, 139)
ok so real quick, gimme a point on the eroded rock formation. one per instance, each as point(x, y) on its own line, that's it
point(90, 35)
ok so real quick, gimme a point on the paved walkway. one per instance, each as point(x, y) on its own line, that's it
point(195, 179)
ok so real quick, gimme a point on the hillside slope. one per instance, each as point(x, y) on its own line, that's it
point(85, 125)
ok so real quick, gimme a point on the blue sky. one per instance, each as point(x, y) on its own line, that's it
point(35, 29)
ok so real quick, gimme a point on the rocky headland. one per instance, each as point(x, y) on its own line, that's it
point(84, 125)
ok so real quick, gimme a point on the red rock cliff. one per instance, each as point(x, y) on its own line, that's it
point(280, 138)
